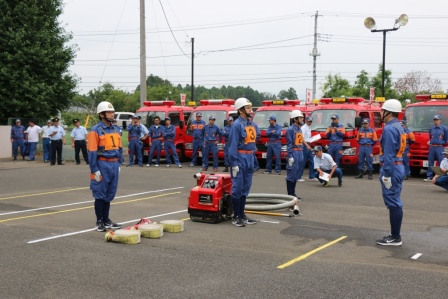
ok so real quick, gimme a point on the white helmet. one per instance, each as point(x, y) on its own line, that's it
point(392, 105)
point(296, 113)
point(104, 106)
point(241, 102)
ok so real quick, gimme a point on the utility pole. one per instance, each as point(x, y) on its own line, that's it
point(143, 93)
point(192, 69)
point(315, 53)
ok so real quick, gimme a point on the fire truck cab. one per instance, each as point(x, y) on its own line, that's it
point(281, 109)
point(179, 115)
point(351, 112)
point(221, 110)
point(419, 117)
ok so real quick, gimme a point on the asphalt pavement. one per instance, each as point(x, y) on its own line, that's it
point(50, 250)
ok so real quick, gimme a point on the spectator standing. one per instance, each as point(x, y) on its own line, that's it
point(33, 138)
point(18, 139)
point(78, 135)
point(57, 137)
point(308, 153)
point(46, 143)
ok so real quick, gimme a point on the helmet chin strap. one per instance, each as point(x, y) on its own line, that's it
point(385, 115)
point(247, 114)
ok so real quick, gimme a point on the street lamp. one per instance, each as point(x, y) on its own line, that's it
point(371, 25)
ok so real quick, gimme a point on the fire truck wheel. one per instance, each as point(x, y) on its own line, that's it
point(415, 171)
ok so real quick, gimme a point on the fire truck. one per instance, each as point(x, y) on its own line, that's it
point(419, 117)
point(351, 112)
point(281, 109)
point(179, 115)
point(221, 110)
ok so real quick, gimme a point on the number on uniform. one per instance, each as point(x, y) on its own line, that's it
point(251, 134)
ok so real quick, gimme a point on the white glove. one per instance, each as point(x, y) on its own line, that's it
point(119, 169)
point(290, 161)
point(387, 182)
point(235, 170)
point(97, 176)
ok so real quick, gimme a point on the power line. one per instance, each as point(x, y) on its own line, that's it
point(172, 30)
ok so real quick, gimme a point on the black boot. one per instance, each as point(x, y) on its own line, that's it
point(370, 174)
point(360, 175)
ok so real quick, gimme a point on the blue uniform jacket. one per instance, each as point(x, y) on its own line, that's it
point(274, 132)
point(409, 141)
point(242, 137)
point(225, 132)
point(392, 146)
point(211, 133)
point(438, 135)
point(97, 144)
point(134, 131)
point(156, 133)
point(169, 132)
point(196, 127)
point(367, 137)
point(294, 139)
point(336, 133)
point(18, 132)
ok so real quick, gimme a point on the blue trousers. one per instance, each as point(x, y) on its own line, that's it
point(106, 188)
point(274, 148)
point(32, 151)
point(442, 181)
point(169, 145)
point(15, 146)
point(213, 147)
point(391, 196)
point(435, 154)
point(406, 158)
point(365, 155)
point(135, 150)
point(337, 173)
point(226, 154)
point(307, 156)
point(241, 183)
point(156, 145)
point(292, 172)
point(46, 144)
point(256, 164)
point(335, 150)
point(198, 145)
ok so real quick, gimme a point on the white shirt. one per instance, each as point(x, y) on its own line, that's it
point(44, 131)
point(324, 163)
point(33, 133)
point(306, 131)
point(60, 132)
point(144, 132)
point(444, 163)
point(79, 133)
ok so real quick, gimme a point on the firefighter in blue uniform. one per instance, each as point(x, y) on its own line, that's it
point(155, 141)
point(225, 133)
point(438, 137)
point(169, 134)
point(392, 146)
point(241, 157)
point(366, 138)
point(294, 146)
point(105, 157)
point(335, 132)
point(196, 127)
point(18, 139)
point(134, 132)
point(274, 133)
point(410, 139)
point(211, 136)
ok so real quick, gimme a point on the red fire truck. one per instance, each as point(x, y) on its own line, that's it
point(419, 117)
point(351, 112)
point(179, 115)
point(281, 109)
point(221, 110)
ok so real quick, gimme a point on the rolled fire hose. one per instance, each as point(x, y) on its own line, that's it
point(151, 231)
point(123, 236)
point(172, 226)
point(272, 201)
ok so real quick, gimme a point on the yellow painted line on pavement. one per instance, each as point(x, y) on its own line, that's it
point(43, 193)
point(83, 208)
point(310, 253)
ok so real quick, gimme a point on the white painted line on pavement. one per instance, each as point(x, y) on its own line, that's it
point(416, 256)
point(92, 229)
point(83, 202)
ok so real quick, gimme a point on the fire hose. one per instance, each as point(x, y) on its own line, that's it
point(271, 202)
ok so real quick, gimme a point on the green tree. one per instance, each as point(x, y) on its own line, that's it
point(336, 86)
point(290, 94)
point(361, 88)
point(376, 81)
point(35, 81)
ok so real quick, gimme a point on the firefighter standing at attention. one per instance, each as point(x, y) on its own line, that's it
point(335, 132)
point(367, 139)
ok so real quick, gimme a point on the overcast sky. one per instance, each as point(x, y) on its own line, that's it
point(267, 43)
